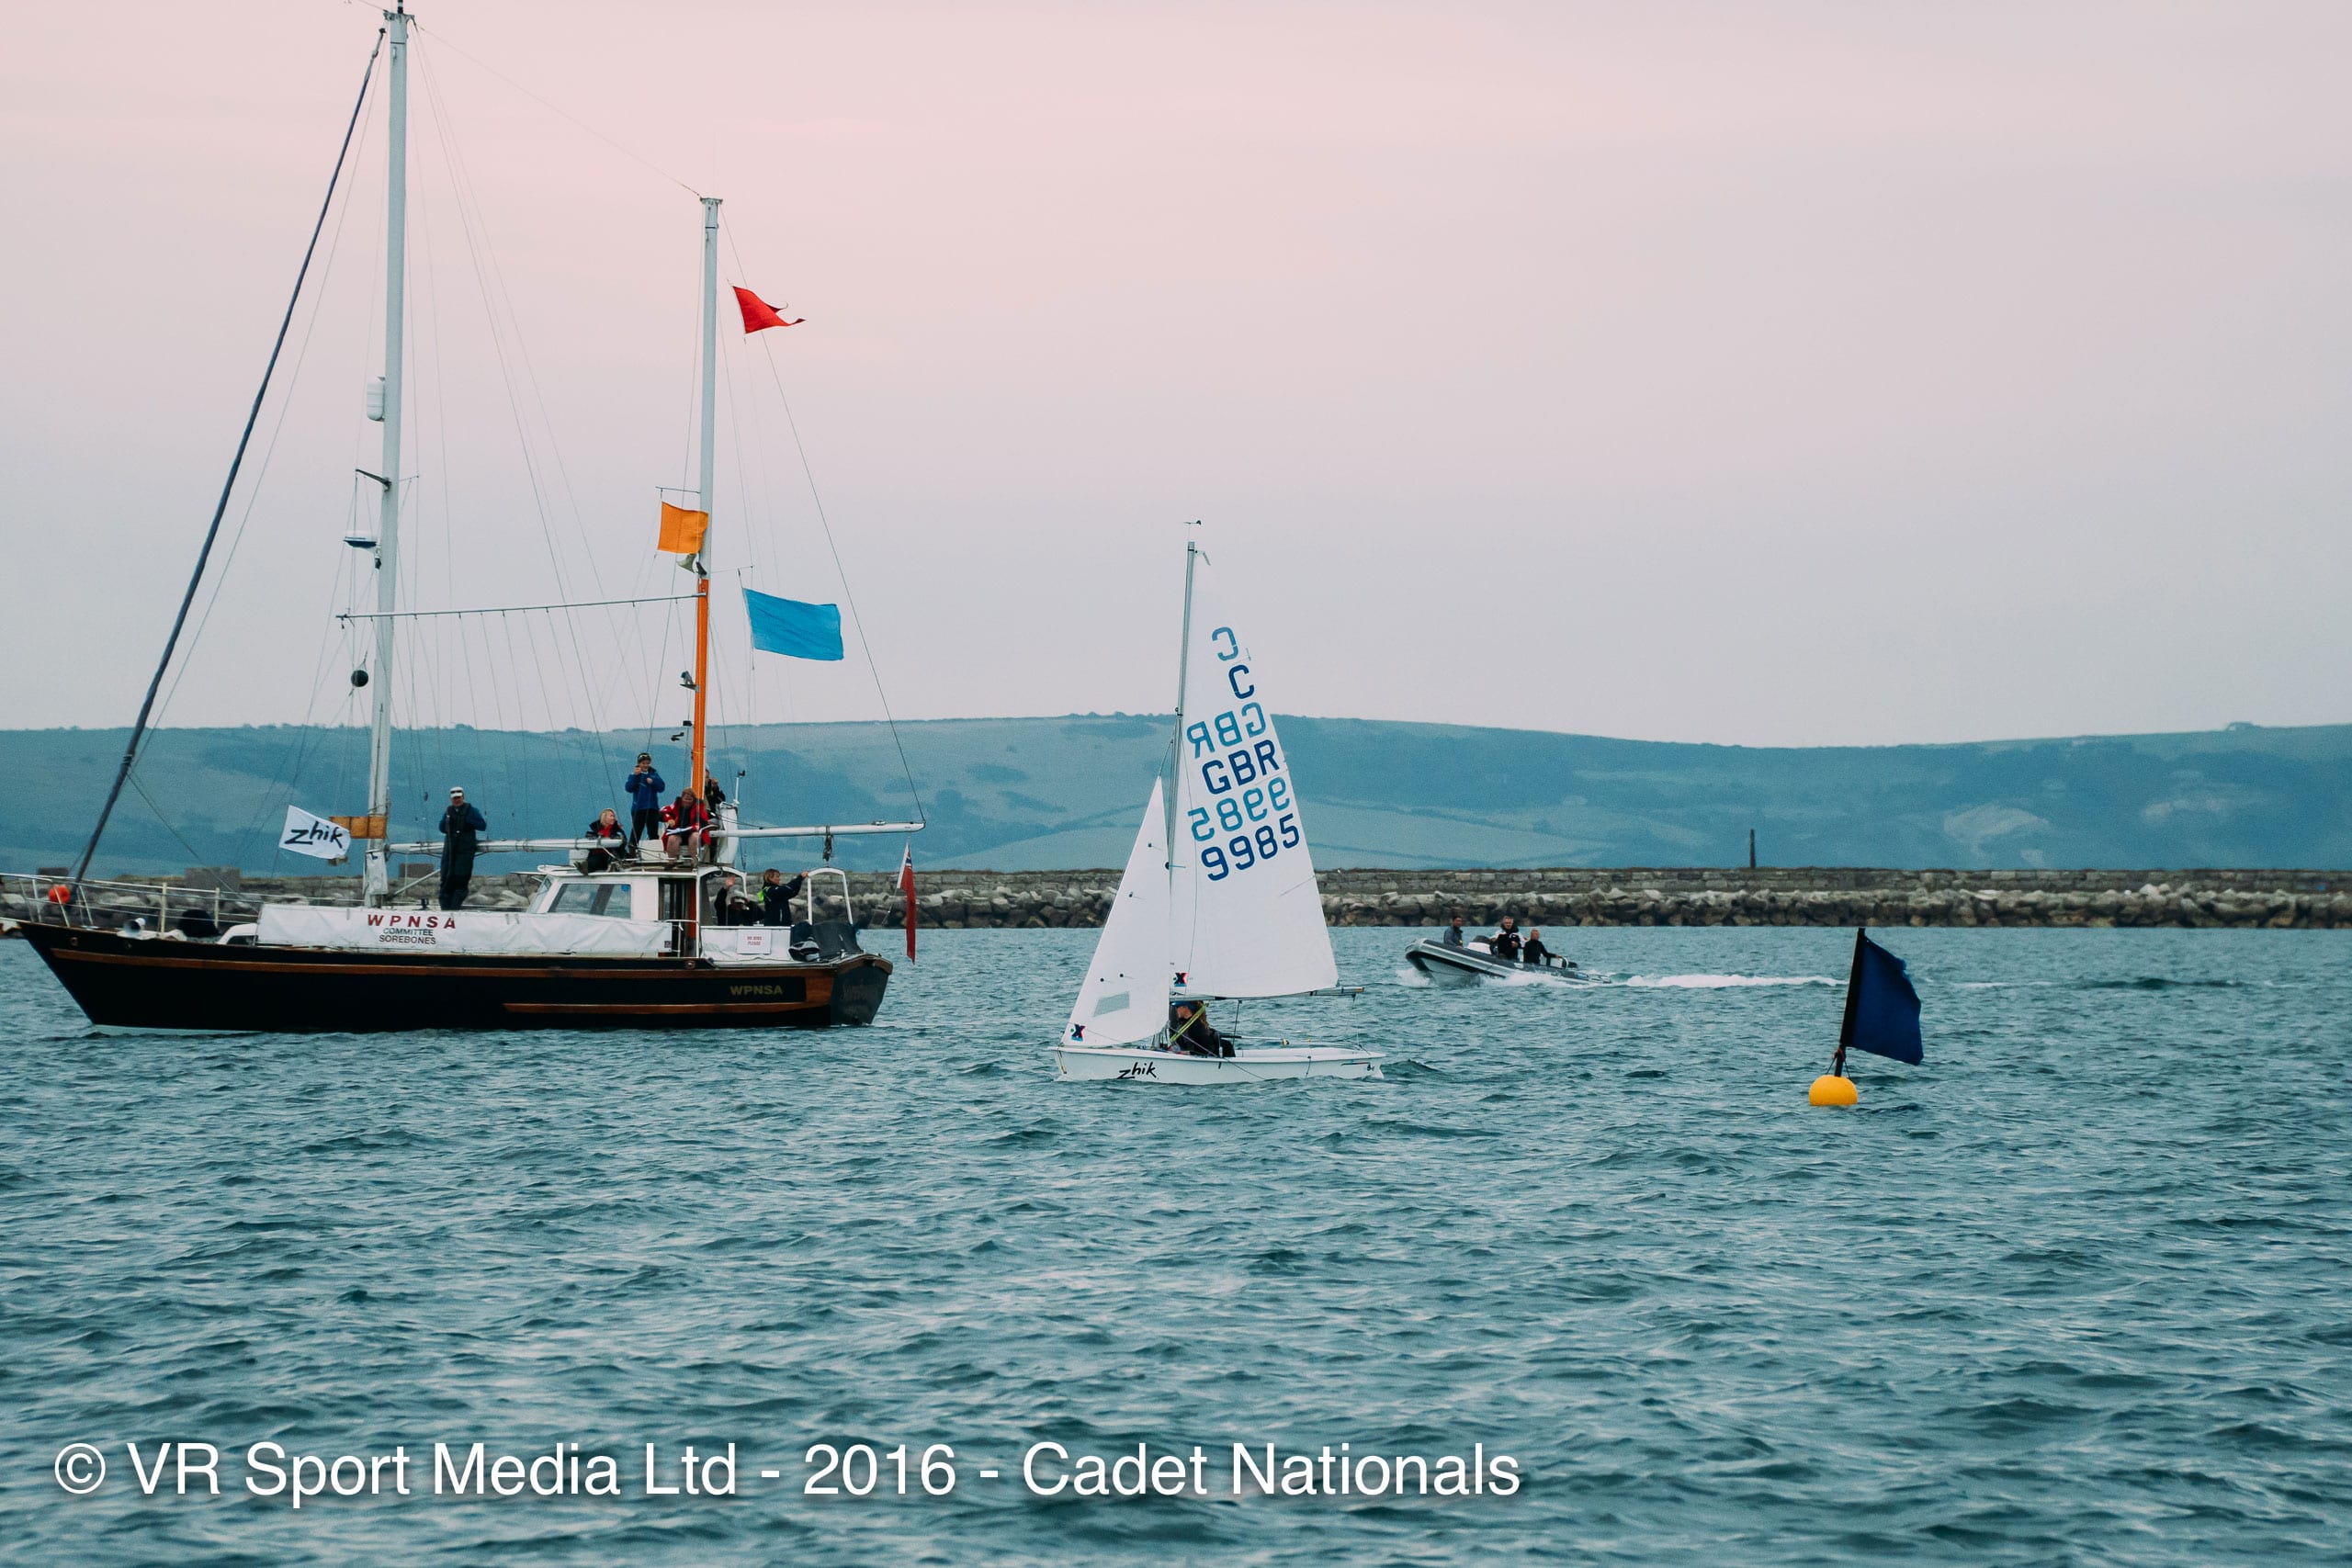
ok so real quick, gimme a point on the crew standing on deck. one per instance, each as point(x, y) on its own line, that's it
point(776, 895)
point(461, 830)
point(645, 787)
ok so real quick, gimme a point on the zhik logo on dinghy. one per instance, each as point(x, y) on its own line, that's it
point(1141, 1070)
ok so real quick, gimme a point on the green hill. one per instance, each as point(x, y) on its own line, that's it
point(1021, 793)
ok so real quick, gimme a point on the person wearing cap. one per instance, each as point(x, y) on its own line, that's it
point(461, 830)
point(645, 787)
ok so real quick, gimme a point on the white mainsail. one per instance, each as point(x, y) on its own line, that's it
point(1125, 997)
point(1246, 918)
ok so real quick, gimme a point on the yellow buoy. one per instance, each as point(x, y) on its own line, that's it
point(1831, 1090)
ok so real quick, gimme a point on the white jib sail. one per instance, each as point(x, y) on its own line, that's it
point(1247, 915)
point(1125, 997)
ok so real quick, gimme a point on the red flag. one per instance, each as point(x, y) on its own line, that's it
point(907, 887)
point(759, 315)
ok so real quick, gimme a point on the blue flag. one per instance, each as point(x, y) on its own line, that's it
point(792, 628)
point(1881, 1009)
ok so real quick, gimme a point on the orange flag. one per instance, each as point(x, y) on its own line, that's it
point(759, 315)
point(682, 530)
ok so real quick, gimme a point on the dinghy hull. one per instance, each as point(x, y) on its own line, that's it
point(1138, 1065)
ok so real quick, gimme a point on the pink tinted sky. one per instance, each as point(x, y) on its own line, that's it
point(1791, 374)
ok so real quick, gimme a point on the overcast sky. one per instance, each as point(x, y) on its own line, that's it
point(1780, 374)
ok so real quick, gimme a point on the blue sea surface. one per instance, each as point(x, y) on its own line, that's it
point(2076, 1290)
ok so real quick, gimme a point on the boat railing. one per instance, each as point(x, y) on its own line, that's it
point(100, 904)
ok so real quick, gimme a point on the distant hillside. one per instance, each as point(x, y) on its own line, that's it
point(1023, 794)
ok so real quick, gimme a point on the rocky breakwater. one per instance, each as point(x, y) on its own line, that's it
point(1835, 896)
point(1829, 896)
point(1635, 901)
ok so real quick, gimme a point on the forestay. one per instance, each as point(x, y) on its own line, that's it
point(459, 930)
point(1125, 997)
point(1247, 915)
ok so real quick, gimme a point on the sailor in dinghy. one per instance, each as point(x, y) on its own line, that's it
point(1218, 898)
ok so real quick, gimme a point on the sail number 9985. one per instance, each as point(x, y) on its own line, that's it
point(1245, 849)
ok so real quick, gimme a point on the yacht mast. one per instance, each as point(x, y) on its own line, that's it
point(378, 881)
point(709, 468)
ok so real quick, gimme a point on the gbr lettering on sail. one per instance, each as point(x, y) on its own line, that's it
point(1247, 817)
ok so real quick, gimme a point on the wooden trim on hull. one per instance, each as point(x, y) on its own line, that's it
point(125, 983)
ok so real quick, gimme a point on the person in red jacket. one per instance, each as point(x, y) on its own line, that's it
point(685, 825)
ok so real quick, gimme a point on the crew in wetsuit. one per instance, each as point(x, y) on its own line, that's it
point(1533, 951)
point(1505, 943)
point(1189, 1031)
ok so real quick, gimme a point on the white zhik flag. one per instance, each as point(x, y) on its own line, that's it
point(309, 835)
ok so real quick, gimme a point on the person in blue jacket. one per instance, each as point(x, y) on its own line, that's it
point(645, 787)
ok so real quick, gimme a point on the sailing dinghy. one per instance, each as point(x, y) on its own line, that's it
point(1218, 899)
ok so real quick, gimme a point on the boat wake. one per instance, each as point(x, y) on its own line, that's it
point(1556, 982)
point(1720, 982)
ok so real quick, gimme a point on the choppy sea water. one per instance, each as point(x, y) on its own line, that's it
point(2079, 1290)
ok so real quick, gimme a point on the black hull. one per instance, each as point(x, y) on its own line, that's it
point(126, 983)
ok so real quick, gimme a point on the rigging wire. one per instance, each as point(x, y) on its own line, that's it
point(194, 855)
point(139, 729)
point(269, 451)
point(490, 277)
point(285, 773)
point(858, 619)
point(464, 191)
point(443, 38)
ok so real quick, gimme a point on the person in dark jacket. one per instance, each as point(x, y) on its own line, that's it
point(1189, 1031)
point(644, 787)
point(1504, 943)
point(776, 895)
point(1534, 952)
point(461, 830)
point(605, 837)
point(729, 904)
point(1454, 933)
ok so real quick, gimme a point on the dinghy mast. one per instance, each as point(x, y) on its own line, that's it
point(1183, 675)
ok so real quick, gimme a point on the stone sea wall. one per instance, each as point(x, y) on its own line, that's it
point(1702, 897)
point(1835, 896)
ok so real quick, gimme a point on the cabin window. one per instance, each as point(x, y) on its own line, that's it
point(591, 899)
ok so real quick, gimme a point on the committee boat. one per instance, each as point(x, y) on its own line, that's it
point(1218, 900)
point(646, 941)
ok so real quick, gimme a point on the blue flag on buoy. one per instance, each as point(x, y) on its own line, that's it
point(1881, 1009)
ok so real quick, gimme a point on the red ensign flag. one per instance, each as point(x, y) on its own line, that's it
point(907, 887)
point(759, 315)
